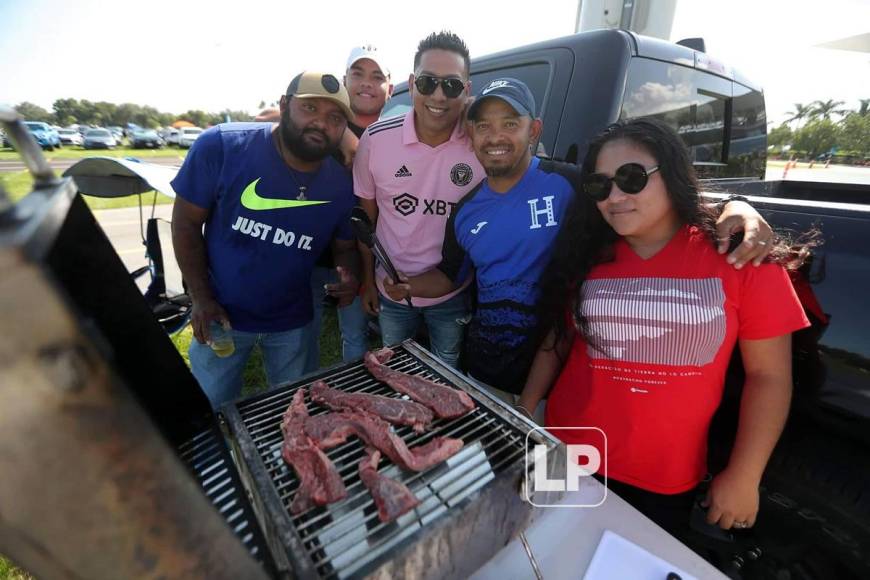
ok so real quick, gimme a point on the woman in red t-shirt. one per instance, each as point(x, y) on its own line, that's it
point(655, 313)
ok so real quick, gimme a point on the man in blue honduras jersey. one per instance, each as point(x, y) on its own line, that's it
point(504, 230)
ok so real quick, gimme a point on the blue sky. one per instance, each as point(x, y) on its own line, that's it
point(191, 54)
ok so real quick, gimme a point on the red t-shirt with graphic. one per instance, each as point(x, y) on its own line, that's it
point(663, 330)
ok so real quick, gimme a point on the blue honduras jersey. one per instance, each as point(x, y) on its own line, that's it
point(261, 241)
point(508, 239)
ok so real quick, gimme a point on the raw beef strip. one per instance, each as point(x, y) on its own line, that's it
point(319, 481)
point(396, 411)
point(392, 497)
point(332, 429)
point(447, 402)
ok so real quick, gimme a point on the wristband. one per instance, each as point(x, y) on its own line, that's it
point(733, 197)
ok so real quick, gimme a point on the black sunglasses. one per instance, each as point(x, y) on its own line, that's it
point(452, 87)
point(631, 178)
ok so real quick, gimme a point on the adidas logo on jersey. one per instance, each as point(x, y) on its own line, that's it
point(403, 172)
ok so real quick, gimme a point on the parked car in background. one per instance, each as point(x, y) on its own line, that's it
point(45, 136)
point(99, 139)
point(170, 135)
point(117, 132)
point(187, 136)
point(70, 137)
point(145, 138)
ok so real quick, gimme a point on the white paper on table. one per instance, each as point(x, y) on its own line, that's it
point(616, 557)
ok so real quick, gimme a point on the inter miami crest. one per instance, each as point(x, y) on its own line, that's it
point(461, 174)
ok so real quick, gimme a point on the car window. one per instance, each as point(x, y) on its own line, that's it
point(98, 133)
point(748, 147)
point(692, 102)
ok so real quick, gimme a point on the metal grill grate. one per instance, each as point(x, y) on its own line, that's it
point(208, 457)
point(346, 538)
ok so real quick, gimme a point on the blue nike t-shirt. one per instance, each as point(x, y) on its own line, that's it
point(508, 239)
point(262, 242)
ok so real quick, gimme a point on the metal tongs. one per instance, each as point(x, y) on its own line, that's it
point(362, 227)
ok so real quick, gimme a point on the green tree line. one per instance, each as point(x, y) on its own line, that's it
point(84, 112)
point(811, 130)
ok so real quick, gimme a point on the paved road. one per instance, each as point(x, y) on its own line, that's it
point(122, 228)
point(60, 165)
point(832, 173)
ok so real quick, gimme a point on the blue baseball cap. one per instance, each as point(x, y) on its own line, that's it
point(512, 91)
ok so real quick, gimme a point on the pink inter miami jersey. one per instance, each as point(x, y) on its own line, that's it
point(416, 187)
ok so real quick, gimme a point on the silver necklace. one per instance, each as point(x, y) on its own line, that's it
point(302, 188)
point(292, 172)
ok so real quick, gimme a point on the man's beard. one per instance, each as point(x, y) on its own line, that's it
point(503, 170)
point(294, 140)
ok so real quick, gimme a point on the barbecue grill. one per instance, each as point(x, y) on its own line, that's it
point(115, 466)
point(470, 505)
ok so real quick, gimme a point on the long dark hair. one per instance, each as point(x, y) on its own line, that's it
point(578, 251)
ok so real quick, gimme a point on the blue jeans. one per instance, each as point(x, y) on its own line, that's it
point(445, 322)
point(351, 322)
point(284, 355)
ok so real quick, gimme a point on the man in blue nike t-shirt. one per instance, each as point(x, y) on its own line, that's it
point(271, 198)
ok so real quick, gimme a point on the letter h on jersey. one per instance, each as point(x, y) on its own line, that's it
point(547, 211)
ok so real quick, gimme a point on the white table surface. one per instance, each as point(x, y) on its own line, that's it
point(563, 540)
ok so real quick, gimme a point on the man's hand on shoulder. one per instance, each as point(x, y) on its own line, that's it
point(348, 147)
point(757, 234)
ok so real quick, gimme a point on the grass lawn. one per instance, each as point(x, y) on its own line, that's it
point(18, 184)
point(9, 572)
point(76, 152)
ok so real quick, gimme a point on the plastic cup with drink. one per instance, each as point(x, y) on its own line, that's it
point(221, 341)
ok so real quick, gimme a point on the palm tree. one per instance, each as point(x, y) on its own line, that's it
point(800, 113)
point(825, 109)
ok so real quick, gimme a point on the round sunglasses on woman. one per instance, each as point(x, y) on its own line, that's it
point(630, 178)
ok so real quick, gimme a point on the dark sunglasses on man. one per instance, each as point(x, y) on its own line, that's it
point(631, 178)
point(427, 84)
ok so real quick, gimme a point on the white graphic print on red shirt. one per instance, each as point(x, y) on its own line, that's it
point(664, 321)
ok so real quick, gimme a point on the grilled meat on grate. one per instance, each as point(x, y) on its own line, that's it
point(396, 411)
point(320, 483)
point(392, 497)
point(445, 401)
point(333, 429)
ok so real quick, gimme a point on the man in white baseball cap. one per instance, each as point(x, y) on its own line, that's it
point(367, 79)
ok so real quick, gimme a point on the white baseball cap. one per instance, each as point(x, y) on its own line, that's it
point(370, 52)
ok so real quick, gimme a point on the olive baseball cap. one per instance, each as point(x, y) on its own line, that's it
point(316, 85)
